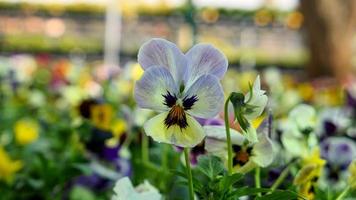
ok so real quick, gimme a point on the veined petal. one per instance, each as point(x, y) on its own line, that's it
point(210, 96)
point(190, 136)
point(205, 59)
point(219, 133)
point(262, 153)
point(160, 52)
point(215, 142)
point(154, 83)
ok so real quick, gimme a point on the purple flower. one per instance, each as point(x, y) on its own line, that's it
point(180, 87)
point(339, 153)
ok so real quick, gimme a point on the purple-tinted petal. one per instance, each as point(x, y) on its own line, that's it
point(210, 121)
point(111, 153)
point(205, 59)
point(210, 95)
point(160, 52)
point(339, 151)
point(155, 83)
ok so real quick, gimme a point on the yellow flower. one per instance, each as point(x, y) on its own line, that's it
point(307, 177)
point(26, 131)
point(136, 72)
point(306, 91)
point(352, 177)
point(8, 167)
point(117, 129)
point(101, 116)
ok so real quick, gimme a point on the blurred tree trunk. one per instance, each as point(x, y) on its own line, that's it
point(329, 27)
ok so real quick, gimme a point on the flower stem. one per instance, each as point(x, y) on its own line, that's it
point(164, 161)
point(189, 174)
point(343, 193)
point(228, 137)
point(144, 149)
point(281, 177)
point(258, 179)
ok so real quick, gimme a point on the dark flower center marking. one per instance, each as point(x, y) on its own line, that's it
point(242, 155)
point(188, 102)
point(169, 99)
point(177, 115)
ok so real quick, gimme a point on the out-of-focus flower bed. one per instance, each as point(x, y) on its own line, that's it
point(70, 129)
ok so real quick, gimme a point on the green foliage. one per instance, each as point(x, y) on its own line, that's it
point(211, 181)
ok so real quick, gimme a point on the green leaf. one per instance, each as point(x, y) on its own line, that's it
point(84, 168)
point(247, 191)
point(211, 166)
point(280, 194)
point(229, 180)
point(179, 173)
point(79, 193)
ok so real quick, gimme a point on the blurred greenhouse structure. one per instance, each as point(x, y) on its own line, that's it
point(256, 37)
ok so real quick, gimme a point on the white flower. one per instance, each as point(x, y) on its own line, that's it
point(298, 130)
point(258, 100)
point(124, 190)
point(255, 102)
point(245, 156)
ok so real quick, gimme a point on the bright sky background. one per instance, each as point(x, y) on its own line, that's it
point(241, 4)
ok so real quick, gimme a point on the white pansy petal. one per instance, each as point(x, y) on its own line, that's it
point(219, 133)
point(154, 83)
point(251, 134)
point(295, 146)
point(216, 147)
point(210, 97)
point(258, 100)
point(304, 116)
point(263, 153)
point(148, 192)
point(206, 59)
point(215, 142)
point(257, 83)
point(124, 190)
point(190, 136)
point(160, 52)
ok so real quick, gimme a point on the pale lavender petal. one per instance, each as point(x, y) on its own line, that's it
point(155, 82)
point(210, 95)
point(160, 52)
point(205, 59)
point(338, 150)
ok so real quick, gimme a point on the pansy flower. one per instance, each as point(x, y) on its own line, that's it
point(339, 153)
point(248, 108)
point(26, 131)
point(180, 87)
point(246, 156)
point(299, 130)
point(102, 115)
point(8, 167)
point(307, 178)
